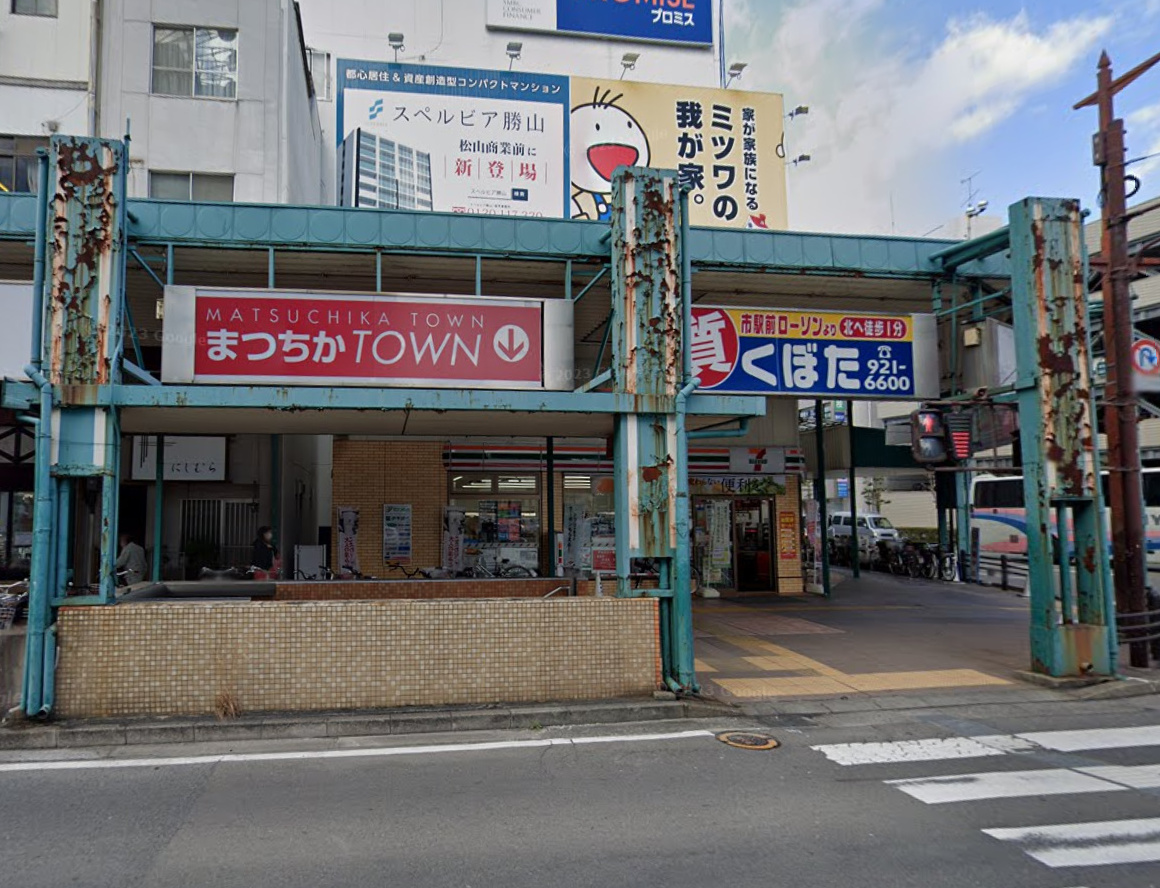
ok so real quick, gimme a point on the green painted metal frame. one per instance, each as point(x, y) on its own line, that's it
point(1072, 627)
point(249, 226)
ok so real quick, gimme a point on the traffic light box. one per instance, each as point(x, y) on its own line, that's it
point(940, 436)
point(928, 436)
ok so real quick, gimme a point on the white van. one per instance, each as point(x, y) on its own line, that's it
point(872, 529)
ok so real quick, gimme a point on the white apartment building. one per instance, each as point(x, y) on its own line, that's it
point(219, 99)
point(217, 94)
point(47, 66)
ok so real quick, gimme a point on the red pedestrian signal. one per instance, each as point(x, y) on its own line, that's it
point(928, 436)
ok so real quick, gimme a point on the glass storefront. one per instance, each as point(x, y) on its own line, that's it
point(589, 524)
point(16, 532)
point(501, 517)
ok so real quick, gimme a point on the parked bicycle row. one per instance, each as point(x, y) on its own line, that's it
point(898, 556)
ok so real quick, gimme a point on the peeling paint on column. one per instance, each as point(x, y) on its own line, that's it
point(86, 261)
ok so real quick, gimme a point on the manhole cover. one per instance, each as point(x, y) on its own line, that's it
point(748, 740)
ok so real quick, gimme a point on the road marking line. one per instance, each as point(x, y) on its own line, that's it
point(376, 752)
point(1002, 785)
point(885, 752)
point(1088, 844)
point(1105, 738)
point(1135, 777)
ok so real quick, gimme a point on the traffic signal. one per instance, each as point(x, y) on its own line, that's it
point(959, 426)
point(928, 436)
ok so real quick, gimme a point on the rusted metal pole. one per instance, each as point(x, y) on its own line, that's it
point(1125, 485)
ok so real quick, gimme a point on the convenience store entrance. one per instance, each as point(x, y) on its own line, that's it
point(753, 542)
point(749, 542)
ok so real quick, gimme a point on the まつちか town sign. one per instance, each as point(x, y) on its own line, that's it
point(280, 337)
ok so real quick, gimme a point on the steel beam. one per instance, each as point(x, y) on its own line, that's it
point(367, 398)
point(956, 256)
point(331, 229)
point(1070, 635)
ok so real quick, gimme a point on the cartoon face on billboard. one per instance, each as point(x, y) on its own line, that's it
point(604, 136)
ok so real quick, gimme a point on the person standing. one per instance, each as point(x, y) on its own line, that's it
point(130, 564)
point(264, 551)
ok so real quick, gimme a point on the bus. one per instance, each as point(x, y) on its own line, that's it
point(999, 516)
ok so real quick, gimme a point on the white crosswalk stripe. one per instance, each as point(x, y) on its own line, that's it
point(1002, 785)
point(1088, 844)
point(1055, 845)
point(943, 748)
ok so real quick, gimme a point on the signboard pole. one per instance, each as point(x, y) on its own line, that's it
point(820, 496)
point(855, 542)
point(158, 511)
point(550, 471)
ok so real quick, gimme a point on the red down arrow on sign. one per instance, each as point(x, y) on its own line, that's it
point(511, 343)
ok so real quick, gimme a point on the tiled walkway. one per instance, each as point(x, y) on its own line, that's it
point(878, 634)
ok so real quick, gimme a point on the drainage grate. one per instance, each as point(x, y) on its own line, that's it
point(748, 740)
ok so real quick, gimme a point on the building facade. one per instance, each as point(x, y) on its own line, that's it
point(49, 57)
point(218, 96)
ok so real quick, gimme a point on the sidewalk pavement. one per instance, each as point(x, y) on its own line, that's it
point(21, 734)
point(878, 639)
point(883, 649)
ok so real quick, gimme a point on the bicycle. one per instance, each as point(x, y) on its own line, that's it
point(324, 573)
point(948, 568)
point(504, 569)
point(12, 603)
point(412, 572)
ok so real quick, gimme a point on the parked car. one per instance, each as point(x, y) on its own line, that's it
point(873, 528)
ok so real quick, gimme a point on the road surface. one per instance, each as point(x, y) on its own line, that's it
point(1035, 798)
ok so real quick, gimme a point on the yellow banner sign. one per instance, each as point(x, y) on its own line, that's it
point(726, 146)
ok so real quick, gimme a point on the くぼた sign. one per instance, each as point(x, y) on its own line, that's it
point(814, 354)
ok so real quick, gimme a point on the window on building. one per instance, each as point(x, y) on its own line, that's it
point(18, 162)
point(34, 7)
point(319, 63)
point(501, 517)
point(213, 187)
point(201, 62)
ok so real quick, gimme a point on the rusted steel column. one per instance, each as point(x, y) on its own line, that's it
point(1060, 459)
point(647, 361)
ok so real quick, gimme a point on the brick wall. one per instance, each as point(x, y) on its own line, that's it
point(179, 658)
point(420, 589)
point(367, 474)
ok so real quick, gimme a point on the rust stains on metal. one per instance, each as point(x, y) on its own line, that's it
point(85, 260)
point(1061, 347)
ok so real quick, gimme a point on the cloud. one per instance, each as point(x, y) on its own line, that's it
point(1143, 137)
point(887, 108)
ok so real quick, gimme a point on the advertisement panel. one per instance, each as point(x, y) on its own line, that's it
point(185, 458)
point(397, 532)
point(682, 22)
point(726, 146)
point(283, 337)
point(509, 143)
point(814, 354)
point(459, 140)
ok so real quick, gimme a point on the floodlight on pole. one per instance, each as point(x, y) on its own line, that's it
point(628, 63)
point(735, 71)
point(514, 48)
point(395, 39)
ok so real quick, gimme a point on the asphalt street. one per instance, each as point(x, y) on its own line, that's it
point(1057, 798)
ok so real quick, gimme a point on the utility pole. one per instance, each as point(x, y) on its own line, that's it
point(1120, 413)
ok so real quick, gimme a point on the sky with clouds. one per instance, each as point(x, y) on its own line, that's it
point(909, 97)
